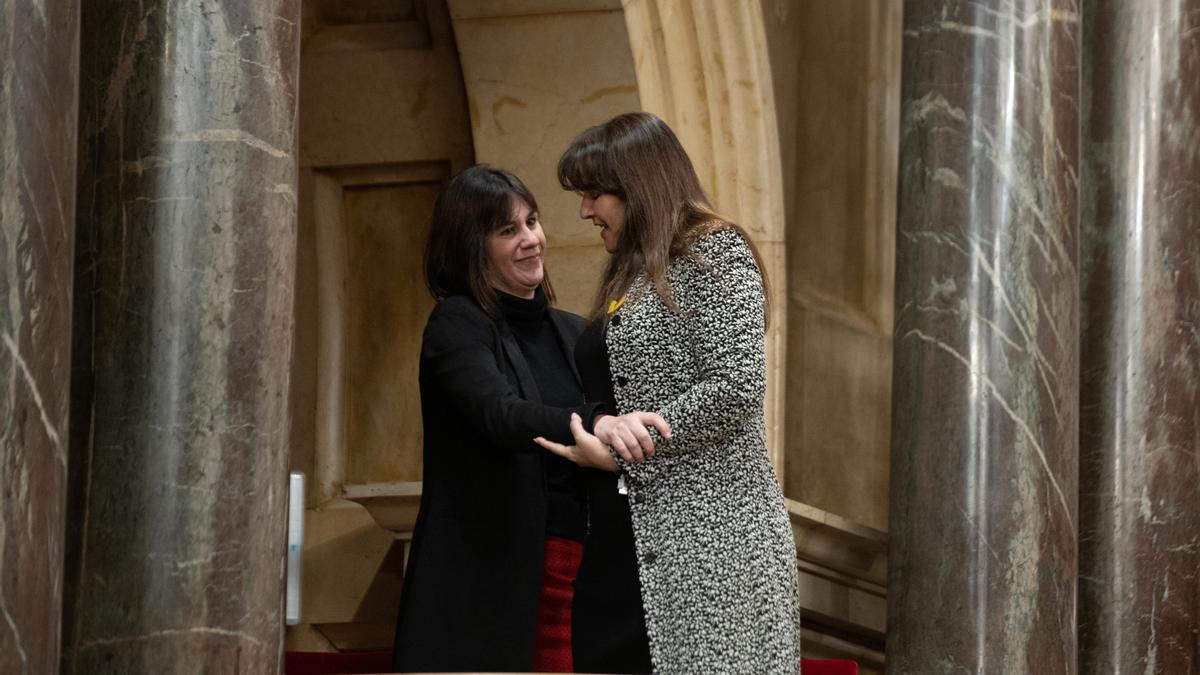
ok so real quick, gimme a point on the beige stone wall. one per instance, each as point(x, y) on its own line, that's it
point(836, 73)
point(538, 72)
point(383, 311)
point(383, 122)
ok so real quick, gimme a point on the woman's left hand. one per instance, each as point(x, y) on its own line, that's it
point(588, 450)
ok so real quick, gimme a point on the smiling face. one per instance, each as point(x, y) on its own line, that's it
point(515, 252)
point(608, 213)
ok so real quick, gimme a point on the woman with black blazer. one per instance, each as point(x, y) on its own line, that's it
point(690, 565)
point(498, 514)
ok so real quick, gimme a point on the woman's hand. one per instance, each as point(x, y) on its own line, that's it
point(628, 436)
point(588, 450)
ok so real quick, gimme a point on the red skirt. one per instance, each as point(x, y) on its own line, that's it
point(552, 646)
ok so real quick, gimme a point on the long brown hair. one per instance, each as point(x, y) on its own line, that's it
point(637, 158)
point(476, 202)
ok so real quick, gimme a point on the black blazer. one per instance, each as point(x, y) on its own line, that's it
point(474, 573)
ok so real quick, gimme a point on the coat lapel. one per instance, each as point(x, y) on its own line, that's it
point(512, 350)
point(568, 335)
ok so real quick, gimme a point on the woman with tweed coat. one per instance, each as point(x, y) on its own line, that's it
point(681, 316)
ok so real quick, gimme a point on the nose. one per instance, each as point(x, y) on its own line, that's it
point(529, 238)
point(585, 207)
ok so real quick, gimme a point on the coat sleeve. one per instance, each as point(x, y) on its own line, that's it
point(460, 370)
point(723, 314)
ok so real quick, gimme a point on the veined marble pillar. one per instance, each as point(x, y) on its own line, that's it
point(982, 558)
point(187, 217)
point(39, 77)
point(1139, 600)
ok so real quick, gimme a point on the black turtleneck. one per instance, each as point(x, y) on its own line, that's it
point(529, 320)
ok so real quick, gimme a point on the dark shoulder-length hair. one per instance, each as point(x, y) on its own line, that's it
point(476, 203)
point(638, 159)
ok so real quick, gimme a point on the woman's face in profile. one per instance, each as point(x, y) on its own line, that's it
point(608, 213)
point(515, 252)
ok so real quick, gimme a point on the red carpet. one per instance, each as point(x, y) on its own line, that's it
point(328, 663)
point(333, 663)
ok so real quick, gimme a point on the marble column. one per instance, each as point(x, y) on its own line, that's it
point(187, 218)
point(39, 77)
point(982, 557)
point(1139, 599)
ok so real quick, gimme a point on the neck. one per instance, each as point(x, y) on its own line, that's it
point(519, 310)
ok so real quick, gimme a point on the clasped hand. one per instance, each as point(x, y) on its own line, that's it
point(627, 434)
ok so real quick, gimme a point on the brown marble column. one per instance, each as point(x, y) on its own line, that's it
point(982, 557)
point(187, 222)
point(39, 78)
point(1139, 588)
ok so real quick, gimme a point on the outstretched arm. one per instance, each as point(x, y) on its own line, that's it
point(587, 450)
point(459, 369)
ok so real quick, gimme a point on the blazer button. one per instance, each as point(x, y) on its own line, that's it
point(622, 380)
point(649, 558)
point(615, 320)
point(639, 498)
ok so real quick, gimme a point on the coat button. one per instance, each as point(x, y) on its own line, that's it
point(622, 380)
point(639, 498)
point(615, 320)
point(649, 558)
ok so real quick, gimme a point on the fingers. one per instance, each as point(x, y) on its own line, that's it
point(632, 432)
point(624, 440)
point(642, 438)
point(649, 419)
point(589, 450)
point(613, 431)
point(577, 429)
point(632, 445)
point(587, 443)
point(628, 434)
point(623, 450)
point(557, 448)
point(629, 430)
point(602, 426)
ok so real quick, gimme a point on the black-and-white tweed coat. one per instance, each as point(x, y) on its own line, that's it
point(715, 551)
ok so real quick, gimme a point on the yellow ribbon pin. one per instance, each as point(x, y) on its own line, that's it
point(614, 305)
